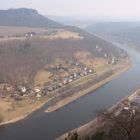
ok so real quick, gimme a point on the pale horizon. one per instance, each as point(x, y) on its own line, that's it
point(90, 9)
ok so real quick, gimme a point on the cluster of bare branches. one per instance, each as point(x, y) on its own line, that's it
point(122, 126)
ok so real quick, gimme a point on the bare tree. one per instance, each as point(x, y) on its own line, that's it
point(73, 136)
point(121, 126)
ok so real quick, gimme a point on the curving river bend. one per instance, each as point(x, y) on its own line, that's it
point(43, 126)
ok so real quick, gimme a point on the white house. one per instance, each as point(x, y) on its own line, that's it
point(36, 89)
point(23, 89)
point(38, 96)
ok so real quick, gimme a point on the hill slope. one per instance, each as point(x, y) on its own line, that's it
point(23, 57)
point(110, 27)
point(122, 32)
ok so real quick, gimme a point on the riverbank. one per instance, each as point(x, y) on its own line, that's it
point(93, 126)
point(117, 71)
point(24, 114)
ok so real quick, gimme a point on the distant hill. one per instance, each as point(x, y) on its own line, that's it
point(130, 37)
point(71, 21)
point(25, 17)
point(127, 33)
point(110, 27)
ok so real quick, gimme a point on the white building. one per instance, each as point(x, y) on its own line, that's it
point(36, 89)
point(23, 89)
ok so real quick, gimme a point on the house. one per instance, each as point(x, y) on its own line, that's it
point(54, 87)
point(85, 73)
point(77, 64)
point(44, 92)
point(30, 34)
point(75, 75)
point(37, 89)
point(90, 71)
point(58, 67)
point(23, 89)
point(60, 85)
point(70, 80)
point(112, 61)
point(97, 47)
point(126, 108)
point(85, 69)
point(38, 96)
point(25, 95)
point(105, 55)
point(65, 81)
point(50, 88)
point(71, 77)
point(81, 74)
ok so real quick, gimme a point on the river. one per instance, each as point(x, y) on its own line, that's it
point(43, 126)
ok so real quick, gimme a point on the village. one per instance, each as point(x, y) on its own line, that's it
point(58, 80)
point(62, 74)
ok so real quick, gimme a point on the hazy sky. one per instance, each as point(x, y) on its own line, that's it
point(86, 8)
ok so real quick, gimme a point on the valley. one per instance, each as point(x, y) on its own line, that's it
point(53, 74)
point(42, 64)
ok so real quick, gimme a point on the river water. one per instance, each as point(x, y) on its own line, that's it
point(43, 126)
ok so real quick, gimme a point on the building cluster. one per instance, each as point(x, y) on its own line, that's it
point(20, 92)
point(19, 35)
point(73, 70)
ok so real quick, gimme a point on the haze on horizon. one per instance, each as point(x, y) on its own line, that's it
point(97, 9)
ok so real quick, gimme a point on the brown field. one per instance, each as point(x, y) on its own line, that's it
point(88, 59)
point(63, 34)
point(12, 111)
point(42, 77)
point(41, 32)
